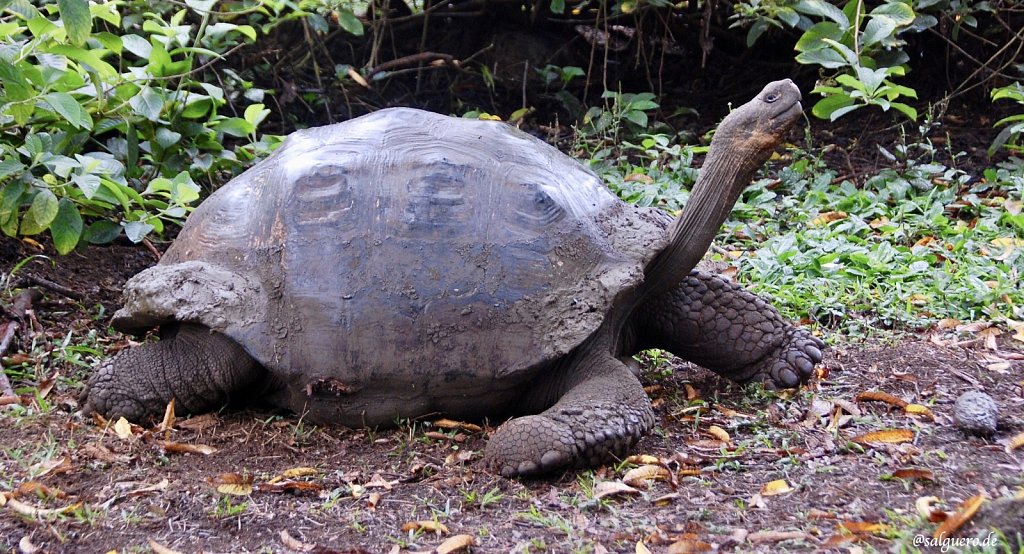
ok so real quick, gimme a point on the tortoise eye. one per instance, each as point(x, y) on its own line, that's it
point(771, 97)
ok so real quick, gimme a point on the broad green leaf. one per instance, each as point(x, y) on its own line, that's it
point(638, 117)
point(77, 20)
point(901, 14)
point(9, 28)
point(69, 108)
point(826, 57)
point(148, 103)
point(906, 110)
point(255, 114)
point(101, 232)
point(349, 22)
point(234, 126)
point(110, 41)
point(558, 6)
point(848, 54)
point(93, 59)
point(789, 16)
point(824, 108)
point(166, 137)
point(877, 29)
point(66, 227)
point(106, 11)
point(10, 199)
point(40, 213)
point(24, 8)
point(811, 39)
point(10, 166)
point(137, 230)
point(88, 183)
point(42, 28)
point(823, 9)
point(201, 6)
point(137, 45)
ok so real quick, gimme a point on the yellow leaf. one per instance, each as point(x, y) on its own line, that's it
point(917, 409)
point(299, 472)
point(233, 484)
point(642, 459)
point(456, 543)
point(773, 488)
point(451, 424)
point(880, 396)
point(719, 433)
point(39, 513)
point(964, 512)
point(890, 436)
point(123, 428)
point(1016, 442)
point(425, 526)
point(864, 527)
point(1013, 206)
point(948, 323)
point(827, 217)
point(639, 476)
point(879, 222)
point(641, 548)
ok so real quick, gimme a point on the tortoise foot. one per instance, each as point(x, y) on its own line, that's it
point(790, 364)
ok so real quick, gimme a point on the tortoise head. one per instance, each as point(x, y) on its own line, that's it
point(742, 143)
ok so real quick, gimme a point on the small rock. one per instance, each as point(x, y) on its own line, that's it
point(976, 413)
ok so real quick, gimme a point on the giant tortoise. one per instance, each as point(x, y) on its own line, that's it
point(405, 263)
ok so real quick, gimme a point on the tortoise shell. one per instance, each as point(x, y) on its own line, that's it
point(404, 252)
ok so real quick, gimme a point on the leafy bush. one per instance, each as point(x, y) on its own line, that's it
point(1011, 134)
point(105, 117)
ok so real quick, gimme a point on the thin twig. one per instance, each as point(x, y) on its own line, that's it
point(21, 305)
point(49, 285)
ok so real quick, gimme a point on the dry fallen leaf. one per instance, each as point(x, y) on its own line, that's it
point(450, 424)
point(914, 473)
point(639, 476)
point(1015, 442)
point(291, 543)
point(719, 433)
point(641, 548)
point(827, 217)
point(299, 472)
point(776, 487)
point(777, 536)
point(181, 448)
point(372, 500)
point(689, 546)
point(158, 548)
point(889, 436)
point(425, 526)
point(924, 509)
point(456, 543)
point(232, 483)
point(861, 527)
point(34, 512)
point(919, 410)
point(198, 423)
point(605, 489)
point(964, 512)
point(55, 466)
point(642, 459)
point(123, 428)
point(879, 396)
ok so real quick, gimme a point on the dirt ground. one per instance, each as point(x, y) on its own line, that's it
point(727, 469)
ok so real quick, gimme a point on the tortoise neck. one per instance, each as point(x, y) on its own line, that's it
point(721, 180)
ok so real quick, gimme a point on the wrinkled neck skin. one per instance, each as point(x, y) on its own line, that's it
point(721, 180)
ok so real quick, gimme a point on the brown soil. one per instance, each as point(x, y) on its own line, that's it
point(73, 485)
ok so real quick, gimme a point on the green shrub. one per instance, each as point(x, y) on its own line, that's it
point(106, 116)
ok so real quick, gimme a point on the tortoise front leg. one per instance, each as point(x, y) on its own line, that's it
point(197, 367)
point(601, 411)
point(719, 325)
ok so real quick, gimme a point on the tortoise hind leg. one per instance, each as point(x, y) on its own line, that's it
point(197, 367)
point(719, 325)
point(601, 411)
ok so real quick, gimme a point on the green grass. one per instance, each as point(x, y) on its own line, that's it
point(915, 243)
